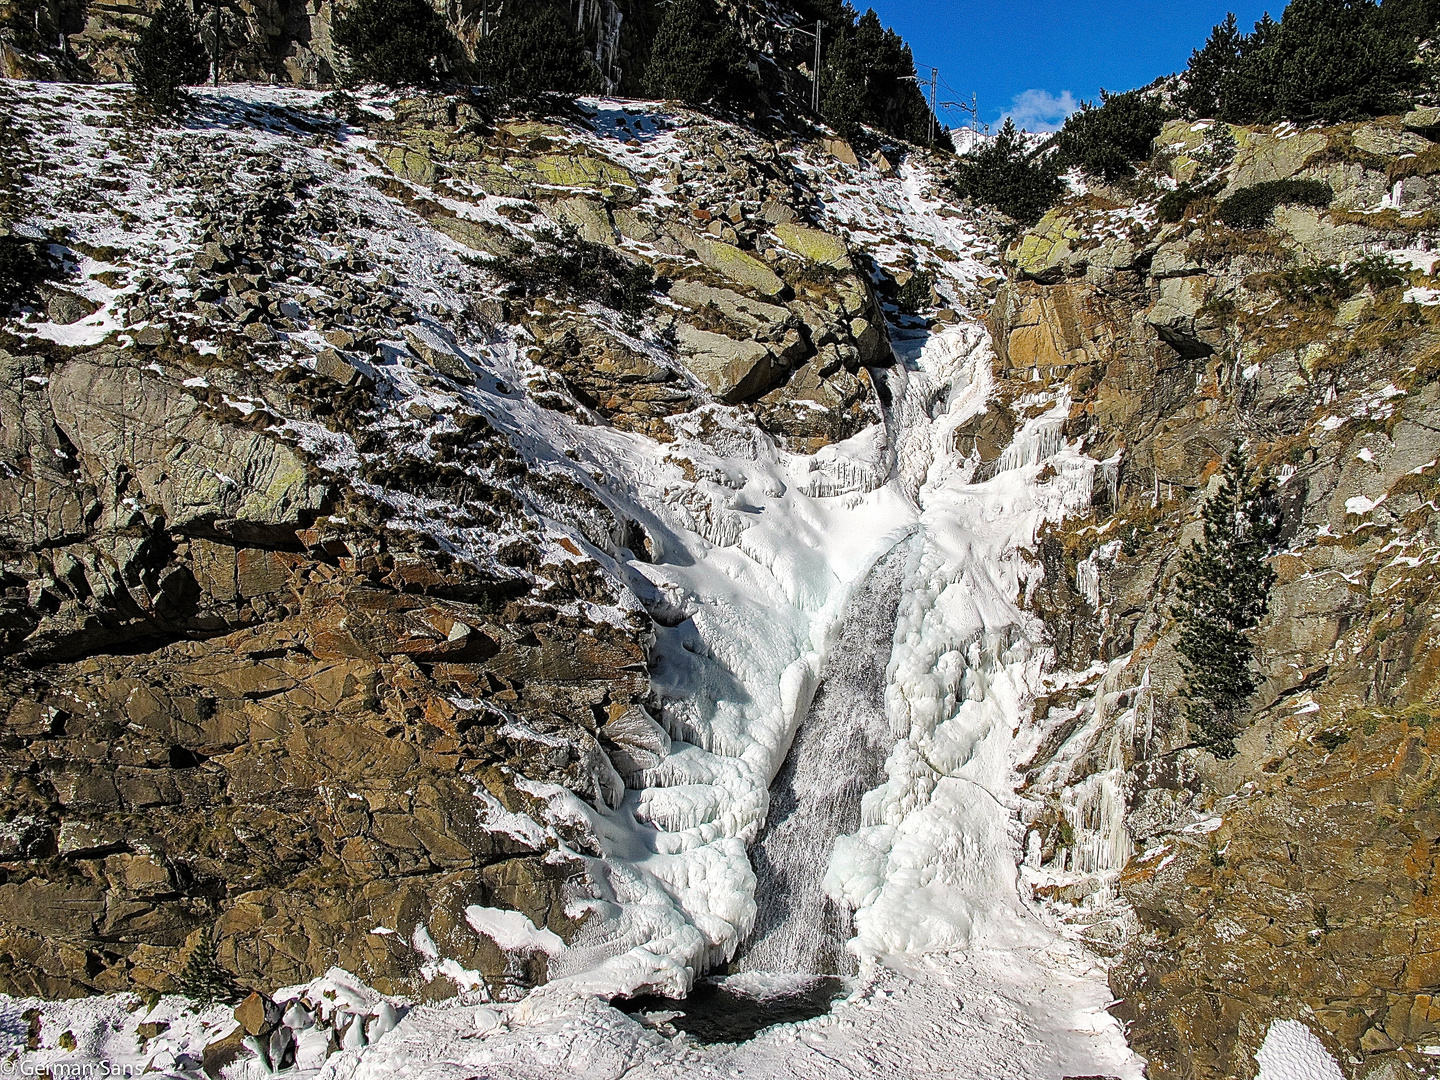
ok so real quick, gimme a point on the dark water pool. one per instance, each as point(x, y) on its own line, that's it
point(736, 1009)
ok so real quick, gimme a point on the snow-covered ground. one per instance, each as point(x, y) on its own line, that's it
point(1020, 1013)
point(761, 549)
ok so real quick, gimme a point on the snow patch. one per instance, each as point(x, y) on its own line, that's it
point(1292, 1051)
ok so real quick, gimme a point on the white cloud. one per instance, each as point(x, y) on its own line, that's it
point(1040, 110)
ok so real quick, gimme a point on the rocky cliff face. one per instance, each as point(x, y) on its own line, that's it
point(1292, 880)
point(316, 625)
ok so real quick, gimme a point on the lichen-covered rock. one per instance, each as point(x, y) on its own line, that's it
point(1044, 252)
point(588, 217)
point(815, 245)
point(730, 262)
point(733, 370)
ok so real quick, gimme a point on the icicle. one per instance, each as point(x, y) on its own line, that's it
point(1033, 445)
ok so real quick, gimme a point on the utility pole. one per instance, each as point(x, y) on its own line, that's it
point(815, 72)
point(934, 76)
point(815, 92)
point(216, 75)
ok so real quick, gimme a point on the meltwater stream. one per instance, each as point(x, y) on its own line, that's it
point(837, 756)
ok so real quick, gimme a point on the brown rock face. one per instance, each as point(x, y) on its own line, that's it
point(310, 600)
point(1294, 879)
point(300, 735)
point(236, 700)
point(1313, 898)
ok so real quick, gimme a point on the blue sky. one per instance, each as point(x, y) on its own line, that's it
point(1037, 58)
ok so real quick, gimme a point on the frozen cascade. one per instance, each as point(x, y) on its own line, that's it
point(933, 864)
point(837, 756)
point(1090, 775)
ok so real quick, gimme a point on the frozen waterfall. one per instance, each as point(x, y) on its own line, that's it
point(837, 756)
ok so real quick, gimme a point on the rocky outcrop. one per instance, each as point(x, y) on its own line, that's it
point(245, 698)
point(1287, 882)
point(231, 699)
point(767, 311)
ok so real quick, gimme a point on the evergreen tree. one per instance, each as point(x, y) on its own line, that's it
point(1212, 70)
point(1250, 97)
point(1336, 62)
point(1326, 59)
point(536, 49)
point(1005, 174)
point(868, 77)
point(1222, 593)
point(203, 980)
point(1416, 19)
point(697, 56)
point(395, 42)
point(1107, 140)
point(1232, 77)
point(169, 54)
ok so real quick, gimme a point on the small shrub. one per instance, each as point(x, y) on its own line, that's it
point(1222, 593)
point(1107, 140)
point(536, 49)
point(23, 266)
point(1174, 204)
point(1377, 272)
point(1007, 175)
point(1328, 285)
point(914, 295)
point(395, 42)
point(1251, 207)
point(1219, 148)
point(169, 54)
point(1324, 285)
point(563, 262)
point(697, 57)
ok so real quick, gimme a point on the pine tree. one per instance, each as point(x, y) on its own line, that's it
point(1250, 97)
point(536, 49)
point(1337, 62)
point(395, 42)
point(1233, 77)
point(1212, 70)
point(869, 78)
point(1106, 140)
point(169, 54)
point(203, 980)
point(697, 56)
point(1222, 593)
point(1416, 19)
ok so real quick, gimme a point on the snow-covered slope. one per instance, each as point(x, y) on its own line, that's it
point(754, 552)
